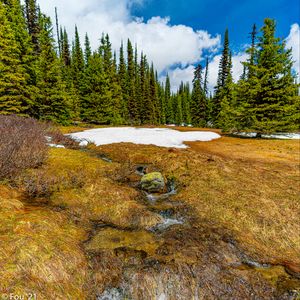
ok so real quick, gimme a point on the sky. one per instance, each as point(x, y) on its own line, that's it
point(177, 34)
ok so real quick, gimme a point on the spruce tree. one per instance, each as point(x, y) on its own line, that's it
point(27, 58)
point(53, 99)
point(12, 75)
point(169, 110)
point(275, 104)
point(87, 49)
point(122, 79)
point(77, 71)
point(132, 103)
point(32, 16)
point(222, 77)
point(205, 83)
point(154, 116)
point(227, 118)
point(198, 101)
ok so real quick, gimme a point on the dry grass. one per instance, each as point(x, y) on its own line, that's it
point(250, 187)
point(247, 188)
point(39, 251)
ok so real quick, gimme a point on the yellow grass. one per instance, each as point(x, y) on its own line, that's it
point(248, 189)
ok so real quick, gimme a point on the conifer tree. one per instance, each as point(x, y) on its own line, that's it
point(122, 79)
point(222, 76)
point(227, 117)
point(65, 51)
point(132, 104)
point(77, 70)
point(26, 54)
point(13, 98)
point(198, 101)
point(179, 118)
point(32, 16)
point(274, 105)
point(154, 116)
point(163, 107)
point(87, 49)
point(169, 111)
point(205, 83)
point(53, 100)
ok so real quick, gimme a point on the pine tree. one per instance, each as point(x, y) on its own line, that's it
point(87, 50)
point(122, 79)
point(154, 116)
point(26, 54)
point(227, 118)
point(59, 41)
point(53, 100)
point(222, 76)
point(77, 70)
point(32, 15)
point(132, 104)
point(102, 96)
point(198, 101)
point(12, 76)
point(275, 104)
point(179, 118)
point(163, 107)
point(65, 49)
point(169, 110)
point(205, 83)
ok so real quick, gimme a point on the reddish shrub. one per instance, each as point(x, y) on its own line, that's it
point(22, 145)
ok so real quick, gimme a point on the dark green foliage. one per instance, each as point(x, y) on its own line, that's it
point(53, 100)
point(131, 92)
point(32, 13)
point(274, 106)
point(42, 80)
point(268, 94)
point(198, 100)
point(169, 110)
point(87, 49)
point(13, 94)
point(101, 104)
point(222, 77)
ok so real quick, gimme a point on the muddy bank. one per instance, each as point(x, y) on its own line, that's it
point(183, 257)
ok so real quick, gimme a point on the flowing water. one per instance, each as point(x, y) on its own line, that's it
point(177, 259)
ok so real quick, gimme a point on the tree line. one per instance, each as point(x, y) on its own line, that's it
point(63, 81)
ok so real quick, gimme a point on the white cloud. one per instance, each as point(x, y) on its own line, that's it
point(164, 44)
point(293, 41)
point(186, 74)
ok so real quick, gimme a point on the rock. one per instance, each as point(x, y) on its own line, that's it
point(153, 182)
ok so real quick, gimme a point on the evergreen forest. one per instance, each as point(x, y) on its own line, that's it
point(47, 75)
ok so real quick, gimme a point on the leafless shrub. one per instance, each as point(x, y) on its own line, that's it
point(22, 145)
point(41, 183)
point(58, 138)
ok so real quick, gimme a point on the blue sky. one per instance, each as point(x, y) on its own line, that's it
point(177, 34)
point(216, 15)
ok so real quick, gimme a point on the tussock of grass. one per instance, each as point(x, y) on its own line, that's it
point(39, 251)
point(250, 194)
point(254, 193)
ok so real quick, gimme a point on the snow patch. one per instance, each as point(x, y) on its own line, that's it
point(281, 136)
point(162, 137)
point(56, 146)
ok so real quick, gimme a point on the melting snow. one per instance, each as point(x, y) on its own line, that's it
point(162, 137)
point(281, 136)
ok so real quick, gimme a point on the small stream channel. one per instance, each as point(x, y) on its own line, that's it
point(181, 258)
point(177, 272)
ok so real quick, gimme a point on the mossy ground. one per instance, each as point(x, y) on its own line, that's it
point(231, 188)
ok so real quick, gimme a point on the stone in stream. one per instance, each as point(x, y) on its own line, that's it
point(153, 182)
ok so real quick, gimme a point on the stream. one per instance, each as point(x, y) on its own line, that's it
point(177, 259)
point(183, 257)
